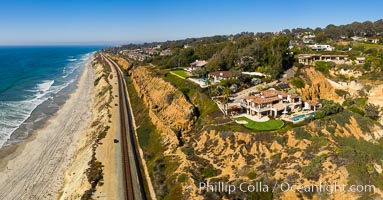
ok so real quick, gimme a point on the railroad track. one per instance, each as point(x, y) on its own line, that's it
point(132, 177)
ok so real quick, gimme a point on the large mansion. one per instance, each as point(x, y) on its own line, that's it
point(310, 59)
point(271, 102)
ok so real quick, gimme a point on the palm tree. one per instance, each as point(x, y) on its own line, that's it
point(208, 83)
point(214, 91)
point(226, 94)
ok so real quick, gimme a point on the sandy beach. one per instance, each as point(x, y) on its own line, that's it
point(34, 169)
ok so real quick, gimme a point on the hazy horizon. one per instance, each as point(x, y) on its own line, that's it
point(119, 22)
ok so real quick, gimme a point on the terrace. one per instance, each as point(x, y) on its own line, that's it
point(271, 102)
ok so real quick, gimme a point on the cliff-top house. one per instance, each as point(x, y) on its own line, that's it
point(196, 65)
point(270, 102)
point(218, 76)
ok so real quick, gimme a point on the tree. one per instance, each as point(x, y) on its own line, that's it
point(199, 72)
point(342, 93)
point(234, 87)
point(215, 91)
point(372, 111)
point(226, 94)
point(320, 37)
point(328, 108)
point(256, 81)
point(208, 83)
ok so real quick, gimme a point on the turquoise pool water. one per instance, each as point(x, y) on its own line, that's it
point(301, 117)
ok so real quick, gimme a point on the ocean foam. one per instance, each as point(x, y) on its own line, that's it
point(14, 113)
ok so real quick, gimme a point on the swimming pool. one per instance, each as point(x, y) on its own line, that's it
point(301, 117)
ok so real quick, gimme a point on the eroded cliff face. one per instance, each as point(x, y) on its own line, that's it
point(122, 62)
point(308, 155)
point(169, 110)
point(317, 86)
point(376, 97)
point(174, 116)
point(304, 156)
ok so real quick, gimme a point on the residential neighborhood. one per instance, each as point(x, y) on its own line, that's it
point(256, 93)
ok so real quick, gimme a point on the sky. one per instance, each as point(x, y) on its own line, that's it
point(45, 22)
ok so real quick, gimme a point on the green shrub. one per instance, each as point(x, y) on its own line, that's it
point(188, 151)
point(209, 172)
point(355, 109)
point(328, 108)
point(252, 175)
point(323, 66)
point(341, 93)
point(313, 170)
point(182, 178)
point(301, 133)
point(372, 111)
point(297, 82)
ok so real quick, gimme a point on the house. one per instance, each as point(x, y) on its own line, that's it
point(311, 105)
point(360, 60)
point(166, 52)
point(307, 41)
point(270, 102)
point(309, 59)
point(308, 36)
point(152, 51)
point(196, 65)
point(359, 39)
point(217, 76)
point(138, 56)
point(321, 47)
point(373, 40)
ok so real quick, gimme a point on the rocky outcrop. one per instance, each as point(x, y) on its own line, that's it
point(317, 86)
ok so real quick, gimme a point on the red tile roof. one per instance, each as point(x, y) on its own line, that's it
point(260, 100)
point(313, 102)
point(273, 93)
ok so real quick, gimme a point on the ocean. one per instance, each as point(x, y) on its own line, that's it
point(34, 82)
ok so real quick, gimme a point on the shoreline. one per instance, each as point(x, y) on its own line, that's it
point(48, 108)
point(27, 167)
point(25, 134)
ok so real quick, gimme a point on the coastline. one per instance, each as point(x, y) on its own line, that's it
point(29, 166)
point(97, 145)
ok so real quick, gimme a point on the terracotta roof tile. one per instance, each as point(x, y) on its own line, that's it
point(223, 74)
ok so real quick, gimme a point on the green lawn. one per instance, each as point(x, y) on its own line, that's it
point(181, 73)
point(261, 126)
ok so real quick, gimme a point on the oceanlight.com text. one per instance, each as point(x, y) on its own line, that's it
point(245, 187)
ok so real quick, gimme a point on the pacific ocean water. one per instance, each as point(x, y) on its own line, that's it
point(31, 77)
